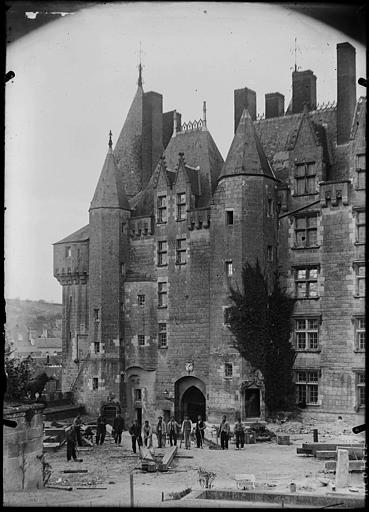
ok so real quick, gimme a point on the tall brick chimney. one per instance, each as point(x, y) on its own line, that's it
point(346, 90)
point(152, 133)
point(303, 90)
point(274, 105)
point(244, 99)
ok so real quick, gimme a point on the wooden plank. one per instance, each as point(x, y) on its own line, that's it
point(325, 454)
point(328, 446)
point(354, 465)
point(91, 487)
point(302, 451)
point(167, 459)
point(60, 487)
point(75, 471)
point(145, 453)
point(354, 451)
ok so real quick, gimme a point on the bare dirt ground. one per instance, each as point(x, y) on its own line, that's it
point(109, 466)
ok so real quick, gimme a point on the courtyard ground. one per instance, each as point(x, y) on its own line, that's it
point(109, 466)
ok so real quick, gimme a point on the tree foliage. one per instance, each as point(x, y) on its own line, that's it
point(260, 322)
point(19, 373)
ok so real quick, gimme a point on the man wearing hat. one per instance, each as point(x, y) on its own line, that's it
point(160, 432)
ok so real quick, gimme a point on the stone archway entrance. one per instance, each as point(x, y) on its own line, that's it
point(190, 399)
point(193, 403)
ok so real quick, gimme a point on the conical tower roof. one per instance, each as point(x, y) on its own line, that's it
point(109, 192)
point(246, 155)
point(128, 148)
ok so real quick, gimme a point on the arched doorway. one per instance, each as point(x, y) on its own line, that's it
point(193, 403)
point(190, 393)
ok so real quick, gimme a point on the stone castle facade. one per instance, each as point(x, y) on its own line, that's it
point(146, 282)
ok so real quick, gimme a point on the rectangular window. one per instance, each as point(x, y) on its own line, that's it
point(138, 395)
point(306, 231)
point(68, 252)
point(229, 268)
point(162, 335)
point(360, 388)
point(229, 217)
point(307, 386)
point(305, 175)
point(270, 207)
point(141, 300)
point(96, 347)
point(96, 315)
point(181, 251)
point(360, 227)
point(162, 295)
point(306, 282)
point(307, 333)
point(123, 268)
point(270, 253)
point(226, 315)
point(162, 209)
point(141, 340)
point(95, 383)
point(228, 370)
point(162, 253)
point(360, 280)
point(181, 206)
point(360, 333)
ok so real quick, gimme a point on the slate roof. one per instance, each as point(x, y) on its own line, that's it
point(200, 150)
point(275, 133)
point(109, 192)
point(81, 235)
point(246, 154)
point(127, 149)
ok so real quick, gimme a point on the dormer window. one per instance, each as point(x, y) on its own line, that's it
point(305, 174)
point(162, 209)
point(181, 206)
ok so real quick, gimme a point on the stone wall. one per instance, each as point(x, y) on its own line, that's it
point(22, 448)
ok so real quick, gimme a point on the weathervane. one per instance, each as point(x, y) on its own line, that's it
point(296, 67)
point(140, 66)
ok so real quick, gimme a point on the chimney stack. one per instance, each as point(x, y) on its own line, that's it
point(346, 90)
point(274, 105)
point(303, 91)
point(244, 99)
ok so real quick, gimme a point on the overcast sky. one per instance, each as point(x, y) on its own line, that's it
point(75, 80)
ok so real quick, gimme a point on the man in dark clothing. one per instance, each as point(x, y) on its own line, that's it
point(200, 432)
point(160, 431)
point(135, 431)
point(71, 438)
point(224, 430)
point(101, 430)
point(118, 425)
point(172, 429)
point(77, 424)
point(240, 434)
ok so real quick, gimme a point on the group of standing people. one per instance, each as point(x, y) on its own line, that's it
point(224, 432)
point(143, 437)
point(170, 430)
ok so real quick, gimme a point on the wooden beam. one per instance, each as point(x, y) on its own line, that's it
point(168, 458)
point(145, 453)
point(354, 465)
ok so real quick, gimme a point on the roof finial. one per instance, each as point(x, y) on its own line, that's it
point(204, 113)
point(139, 82)
point(110, 141)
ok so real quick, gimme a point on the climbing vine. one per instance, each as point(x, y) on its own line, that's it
point(261, 323)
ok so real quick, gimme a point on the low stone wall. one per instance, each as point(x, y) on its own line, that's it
point(22, 447)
